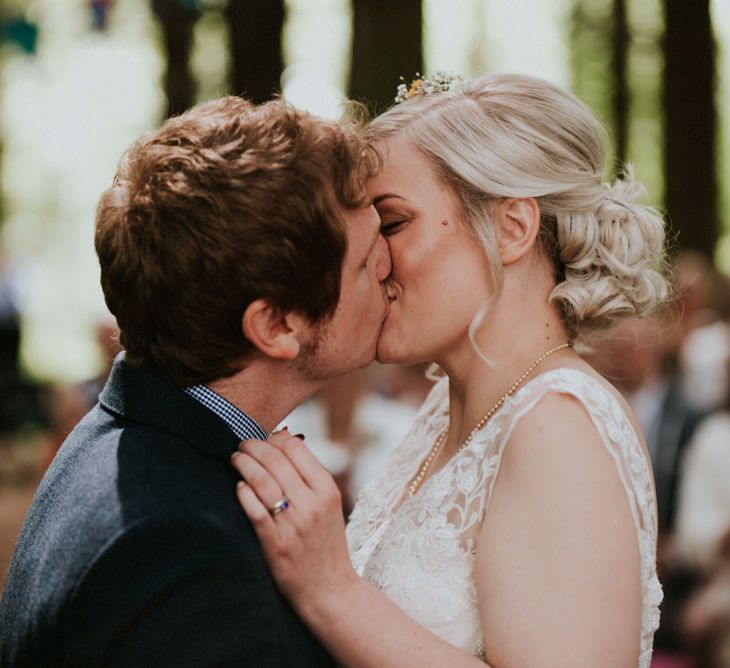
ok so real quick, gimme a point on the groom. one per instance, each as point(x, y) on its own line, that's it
point(244, 268)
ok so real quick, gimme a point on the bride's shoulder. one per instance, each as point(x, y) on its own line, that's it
point(580, 386)
point(565, 411)
point(560, 447)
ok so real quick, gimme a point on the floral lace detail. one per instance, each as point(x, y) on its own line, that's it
point(421, 551)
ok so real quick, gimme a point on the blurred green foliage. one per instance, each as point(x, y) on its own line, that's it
point(71, 103)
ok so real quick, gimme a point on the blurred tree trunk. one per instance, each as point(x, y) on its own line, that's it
point(255, 29)
point(690, 163)
point(177, 20)
point(591, 53)
point(2, 194)
point(620, 84)
point(386, 45)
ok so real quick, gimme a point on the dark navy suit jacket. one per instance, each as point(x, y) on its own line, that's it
point(135, 551)
point(668, 440)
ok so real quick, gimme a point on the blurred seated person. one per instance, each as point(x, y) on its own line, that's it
point(705, 621)
point(635, 360)
point(21, 398)
point(408, 383)
point(704, 348)
point(702, 539)
point(69, 403)
point(107, 341)
point(703, 515)
point(695, 283)
point(352, 429)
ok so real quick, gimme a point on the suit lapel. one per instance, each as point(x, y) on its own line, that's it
point(141, 396)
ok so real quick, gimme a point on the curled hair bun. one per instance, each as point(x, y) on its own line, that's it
point(612, 256)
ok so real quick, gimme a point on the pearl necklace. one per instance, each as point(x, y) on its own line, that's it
point(436, 449)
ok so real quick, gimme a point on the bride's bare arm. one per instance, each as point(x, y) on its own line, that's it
point(306, 550)
point(558, 575)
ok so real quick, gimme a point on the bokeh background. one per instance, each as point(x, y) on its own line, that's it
point(81, 79)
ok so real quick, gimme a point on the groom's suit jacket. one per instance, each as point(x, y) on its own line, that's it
point(135, 551)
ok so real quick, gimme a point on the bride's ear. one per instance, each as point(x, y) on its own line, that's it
point(518, 222)
point(274, 332)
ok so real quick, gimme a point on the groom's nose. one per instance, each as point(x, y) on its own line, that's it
point(383, 266)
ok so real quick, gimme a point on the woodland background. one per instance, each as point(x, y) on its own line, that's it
point(81, 79)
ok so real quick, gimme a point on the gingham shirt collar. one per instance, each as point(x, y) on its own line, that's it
point(242, 425)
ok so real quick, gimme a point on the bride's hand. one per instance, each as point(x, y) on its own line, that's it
point(304, 542)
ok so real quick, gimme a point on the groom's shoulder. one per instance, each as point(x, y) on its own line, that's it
point(125, 510)
point(113, 472)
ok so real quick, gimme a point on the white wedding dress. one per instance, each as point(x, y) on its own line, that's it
point(421, 553)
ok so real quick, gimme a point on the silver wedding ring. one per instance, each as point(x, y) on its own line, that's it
point(281, 504)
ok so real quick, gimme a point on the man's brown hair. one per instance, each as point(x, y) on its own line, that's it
point(227, 203)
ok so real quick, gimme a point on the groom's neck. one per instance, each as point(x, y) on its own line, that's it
point(265, 391)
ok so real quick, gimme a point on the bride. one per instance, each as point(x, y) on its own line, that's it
point(516, 523)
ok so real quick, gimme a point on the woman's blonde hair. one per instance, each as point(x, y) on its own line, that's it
point(517, 136)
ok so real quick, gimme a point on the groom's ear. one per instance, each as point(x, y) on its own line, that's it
point(274, 332)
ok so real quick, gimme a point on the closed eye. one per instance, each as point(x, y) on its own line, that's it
point(391, 227)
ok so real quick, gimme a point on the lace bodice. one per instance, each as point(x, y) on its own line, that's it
point(421, 551)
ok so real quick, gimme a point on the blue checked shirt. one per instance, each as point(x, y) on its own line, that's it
point(241, 425)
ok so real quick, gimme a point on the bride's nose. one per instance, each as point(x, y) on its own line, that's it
point(383, 266)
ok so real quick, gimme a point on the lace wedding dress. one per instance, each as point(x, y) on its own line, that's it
point(421, 552)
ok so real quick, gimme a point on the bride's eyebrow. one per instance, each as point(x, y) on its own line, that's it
point(379, 198)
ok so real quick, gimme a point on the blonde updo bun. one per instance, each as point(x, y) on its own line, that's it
point(612, 258)
point(503, 136)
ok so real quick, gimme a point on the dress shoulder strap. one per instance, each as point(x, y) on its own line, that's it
point(611, 422)
point(632, 464)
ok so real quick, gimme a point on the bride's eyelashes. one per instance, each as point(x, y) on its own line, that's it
point(393, 222)
point(391, 227)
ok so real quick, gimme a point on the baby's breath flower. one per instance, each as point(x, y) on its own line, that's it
point(439, 82)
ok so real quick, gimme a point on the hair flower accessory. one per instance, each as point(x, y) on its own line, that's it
point(439, 82)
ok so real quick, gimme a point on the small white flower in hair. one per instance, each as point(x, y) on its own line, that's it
point(439, 82)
